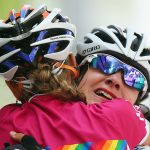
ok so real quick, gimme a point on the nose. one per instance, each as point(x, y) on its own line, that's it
point(114, 80)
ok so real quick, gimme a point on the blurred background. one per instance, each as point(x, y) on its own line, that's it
point(86, 14)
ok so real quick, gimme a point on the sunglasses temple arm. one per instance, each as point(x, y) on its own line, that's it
point(88, 59)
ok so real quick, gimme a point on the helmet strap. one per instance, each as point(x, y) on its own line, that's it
point(68, 67)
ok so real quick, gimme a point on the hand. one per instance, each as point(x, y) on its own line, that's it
point(26, 142)
point(16, 136)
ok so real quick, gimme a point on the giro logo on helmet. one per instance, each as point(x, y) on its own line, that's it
point(89, 50)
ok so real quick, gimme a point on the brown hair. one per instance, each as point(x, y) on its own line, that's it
point(44, 81)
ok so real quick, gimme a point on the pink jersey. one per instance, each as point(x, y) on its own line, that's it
point(74, 124)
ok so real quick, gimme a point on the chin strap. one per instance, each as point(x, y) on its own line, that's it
point(59, 66)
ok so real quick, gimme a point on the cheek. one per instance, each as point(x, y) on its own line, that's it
point(84, 84)
point(131, 95)
point(90, 79)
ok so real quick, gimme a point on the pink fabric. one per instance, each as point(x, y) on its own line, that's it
point(56, 123)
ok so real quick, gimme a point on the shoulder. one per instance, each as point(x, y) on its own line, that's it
point(8, 111)
point(123, 111)
point(9, 107)
point(116, 106)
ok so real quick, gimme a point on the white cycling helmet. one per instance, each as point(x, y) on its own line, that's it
point(32, 34)
point(124, 44)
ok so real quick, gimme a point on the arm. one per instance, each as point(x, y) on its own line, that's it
point(26, 142)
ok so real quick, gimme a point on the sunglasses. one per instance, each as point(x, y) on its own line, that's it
point(109, 65)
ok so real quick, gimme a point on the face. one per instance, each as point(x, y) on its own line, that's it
point(98, 87)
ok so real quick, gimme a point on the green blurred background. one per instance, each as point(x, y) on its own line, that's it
point(7, 5)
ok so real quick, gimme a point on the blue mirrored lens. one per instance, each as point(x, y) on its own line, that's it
point(109, 65)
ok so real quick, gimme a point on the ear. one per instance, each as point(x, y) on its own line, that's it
point(72, 60)
point(16, 88)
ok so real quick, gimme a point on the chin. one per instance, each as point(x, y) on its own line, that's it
point(94, 100)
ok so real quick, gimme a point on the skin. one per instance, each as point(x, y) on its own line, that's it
point(94, 80)
point(16, 136)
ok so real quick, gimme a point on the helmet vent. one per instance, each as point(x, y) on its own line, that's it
point(136, 43)
point(88, 40)
point(145, 52)
point(121, 38)
point(104, 37)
